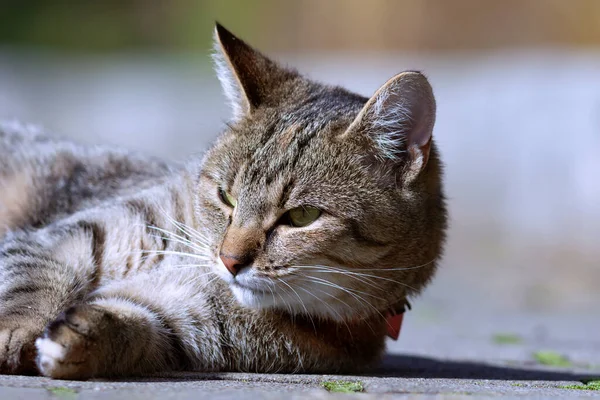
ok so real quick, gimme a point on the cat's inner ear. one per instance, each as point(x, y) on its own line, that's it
point(247, 76)
point(398, 120)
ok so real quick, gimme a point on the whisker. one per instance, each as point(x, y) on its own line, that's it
point(272, 293)
point(336, 286)
point(301, 302)
point(354, 291)
point(325, 268)
point(185, 229)
point(190, 245)
point(287, 305)
point(398, 268)
point(173, 237)
point(329, 307)
point(348, 306)
point(191, 232)
point(173, 253)
point(343, 272)
point(183, 266)
point(183, 239)
point(349, 291)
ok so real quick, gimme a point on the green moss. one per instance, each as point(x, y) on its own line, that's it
point(343, 386)
point(507, 338)
point(551, 358)
point(63, 392)
point(587, 385)
point(518, 385)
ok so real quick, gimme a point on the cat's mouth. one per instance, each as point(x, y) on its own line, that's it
point(250, 289)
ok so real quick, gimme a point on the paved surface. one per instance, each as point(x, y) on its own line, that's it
point(457, 355)
point(229, 386)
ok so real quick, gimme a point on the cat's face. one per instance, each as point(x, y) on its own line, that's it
point(311, 202)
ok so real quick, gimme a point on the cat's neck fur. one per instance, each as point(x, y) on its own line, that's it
point(308, 342)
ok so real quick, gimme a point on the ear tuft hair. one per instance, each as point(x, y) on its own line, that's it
point(399, 120)
point(389, 121)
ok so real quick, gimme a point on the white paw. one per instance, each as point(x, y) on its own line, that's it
point(50, 356)
point(63, 352)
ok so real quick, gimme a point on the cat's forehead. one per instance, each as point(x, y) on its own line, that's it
point(295, 167)
point(283, 153)
point(289, 144)
point(287, 133)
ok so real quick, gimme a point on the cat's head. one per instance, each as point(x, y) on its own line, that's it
point(315, 199)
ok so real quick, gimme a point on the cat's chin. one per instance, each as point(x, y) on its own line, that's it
point(252, 298)
point(256, 293)
point(261, 300)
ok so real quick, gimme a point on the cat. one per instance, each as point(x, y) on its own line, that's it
point(282, 249)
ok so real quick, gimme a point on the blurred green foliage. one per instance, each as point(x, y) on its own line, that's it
point(121, 25)
point(507, 338)
point(590, 385)
point(551, 358)
point(355, 25)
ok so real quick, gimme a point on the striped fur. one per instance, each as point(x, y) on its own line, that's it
point(110, 262)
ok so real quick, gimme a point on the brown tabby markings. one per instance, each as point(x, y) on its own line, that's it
point(111, 264)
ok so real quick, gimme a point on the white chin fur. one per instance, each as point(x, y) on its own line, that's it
point(295, 303)
point(252, 299)
point(325, 301)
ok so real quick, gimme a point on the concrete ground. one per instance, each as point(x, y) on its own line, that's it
point(456, 355)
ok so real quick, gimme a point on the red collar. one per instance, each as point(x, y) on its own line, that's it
point(394, 317)
point(394, 324)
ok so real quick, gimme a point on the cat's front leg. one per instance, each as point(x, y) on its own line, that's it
point(136, 327)
point(92, 340)
point(34, 288)
point(16, 348)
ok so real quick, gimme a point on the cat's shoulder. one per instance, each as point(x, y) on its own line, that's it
point(44, 177)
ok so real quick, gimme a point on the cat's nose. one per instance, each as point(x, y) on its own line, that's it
point(232, 263)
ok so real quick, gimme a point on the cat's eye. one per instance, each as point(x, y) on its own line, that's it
point(227, 198)
point(303, 216)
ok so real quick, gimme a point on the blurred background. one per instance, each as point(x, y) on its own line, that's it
point(517, 83)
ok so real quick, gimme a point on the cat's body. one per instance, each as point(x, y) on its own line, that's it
point(123, 265)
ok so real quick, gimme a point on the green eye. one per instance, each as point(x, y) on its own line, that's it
point(227, 198)
point(303, 216)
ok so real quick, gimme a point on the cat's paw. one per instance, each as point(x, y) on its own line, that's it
point(17, 350)
point(68, 349)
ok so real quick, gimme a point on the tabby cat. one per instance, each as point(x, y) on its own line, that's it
point(282, 250)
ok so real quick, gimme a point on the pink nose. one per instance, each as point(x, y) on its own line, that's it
point(233, 264)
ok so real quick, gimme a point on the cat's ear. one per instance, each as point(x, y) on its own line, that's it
point(247, 76)
point(399, 121)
